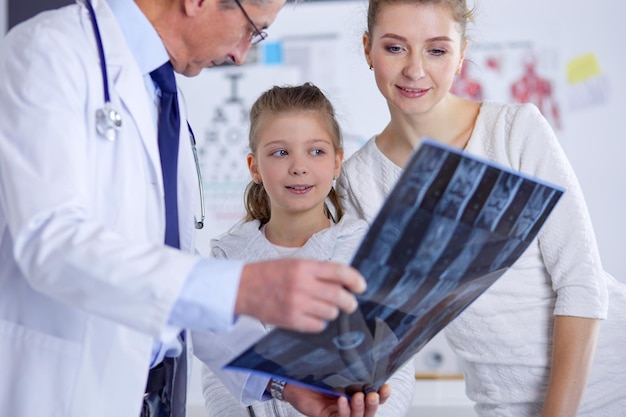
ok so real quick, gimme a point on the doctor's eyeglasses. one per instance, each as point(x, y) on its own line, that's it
point(256, 34)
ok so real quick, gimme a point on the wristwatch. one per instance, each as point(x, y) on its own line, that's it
point(277, 386)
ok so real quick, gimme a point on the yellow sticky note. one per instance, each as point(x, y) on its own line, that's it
point(583, 68)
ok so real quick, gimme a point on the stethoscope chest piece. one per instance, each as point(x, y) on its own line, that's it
point(108, 122)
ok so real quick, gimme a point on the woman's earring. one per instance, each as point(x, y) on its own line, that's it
point(371, 67)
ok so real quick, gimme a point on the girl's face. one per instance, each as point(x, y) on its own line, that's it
point(296, 162)
point(415, 51)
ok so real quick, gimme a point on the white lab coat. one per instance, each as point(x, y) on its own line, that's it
point(85, 282)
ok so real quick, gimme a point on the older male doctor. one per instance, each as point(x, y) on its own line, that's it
point(90, 297)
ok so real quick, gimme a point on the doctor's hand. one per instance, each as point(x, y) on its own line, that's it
point(316, 404)
point(297, 294)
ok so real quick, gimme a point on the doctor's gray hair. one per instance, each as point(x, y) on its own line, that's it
point(230, 4)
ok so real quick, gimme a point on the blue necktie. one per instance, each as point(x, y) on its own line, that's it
point(169, 130)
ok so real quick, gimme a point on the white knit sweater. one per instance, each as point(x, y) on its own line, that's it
point(336, 243)
point(505, 337)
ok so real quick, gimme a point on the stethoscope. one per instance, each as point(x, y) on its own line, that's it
point(109, 120)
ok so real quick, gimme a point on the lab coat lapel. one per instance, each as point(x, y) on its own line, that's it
point(127, 85)
point(130, 88)
point(188, 193)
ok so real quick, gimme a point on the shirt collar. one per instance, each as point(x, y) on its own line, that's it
point(143, 40)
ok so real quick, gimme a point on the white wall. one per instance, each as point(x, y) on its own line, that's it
point(592, 137)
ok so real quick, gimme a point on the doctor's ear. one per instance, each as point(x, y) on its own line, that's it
point(193, 7)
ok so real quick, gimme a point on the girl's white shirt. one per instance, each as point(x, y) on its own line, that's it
point(246, 241)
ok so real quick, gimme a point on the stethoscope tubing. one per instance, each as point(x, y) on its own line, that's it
point(198, 223)
point(103, 67)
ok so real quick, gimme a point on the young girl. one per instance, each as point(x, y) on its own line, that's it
point(293, 211)
point(527, 344)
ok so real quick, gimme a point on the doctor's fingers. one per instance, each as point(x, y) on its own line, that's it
point(297, 294)
point(321, 289)
point(336, 274)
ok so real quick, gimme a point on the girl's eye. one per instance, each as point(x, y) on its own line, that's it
point(280, 152)
point(317, 152)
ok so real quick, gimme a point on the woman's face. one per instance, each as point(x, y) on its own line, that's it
point(415, 51)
